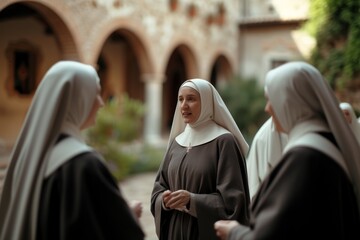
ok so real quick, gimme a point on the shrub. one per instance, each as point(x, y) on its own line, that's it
point(148, 159)
point(119, 124)
point(119, 120)
point(246, 102)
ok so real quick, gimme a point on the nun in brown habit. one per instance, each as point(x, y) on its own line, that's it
point(56, 186)
point(203, 174)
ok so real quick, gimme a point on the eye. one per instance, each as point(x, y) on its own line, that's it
point(191, 98)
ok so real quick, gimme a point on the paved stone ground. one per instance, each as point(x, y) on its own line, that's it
point(139, 187)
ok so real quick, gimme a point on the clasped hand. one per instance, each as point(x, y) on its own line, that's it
point(176, 200)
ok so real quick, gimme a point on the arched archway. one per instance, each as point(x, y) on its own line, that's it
point(52, 23)
point(221, 71)
point(180, 67)
point(32, 33)
point(119, 66)
point(123, 66)
point(133, 33)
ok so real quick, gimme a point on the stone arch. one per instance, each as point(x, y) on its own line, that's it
point(221, 70)
point(50, 28)
point(123, 55)
point(50, 13)
point(188, 53)
point(181, 65)
point(119, 66)
point(134, 33)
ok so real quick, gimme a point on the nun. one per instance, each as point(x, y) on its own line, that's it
point(202, 177)
point(314, 190)
point(56, 186)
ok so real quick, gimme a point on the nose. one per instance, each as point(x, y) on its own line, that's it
point(183, 104)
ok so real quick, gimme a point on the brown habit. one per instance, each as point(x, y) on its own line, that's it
point(215, 172)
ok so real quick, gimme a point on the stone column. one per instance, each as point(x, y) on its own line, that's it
point(153, 104)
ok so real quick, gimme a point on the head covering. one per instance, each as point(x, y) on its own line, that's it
point(265, 151)
point(354, 125)
point(62, 103)
point(304, 102)
point(215, 119)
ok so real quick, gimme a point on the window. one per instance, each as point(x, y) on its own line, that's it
point(276, 63)
point(22, 59)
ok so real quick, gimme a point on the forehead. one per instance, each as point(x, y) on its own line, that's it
point(184, 91)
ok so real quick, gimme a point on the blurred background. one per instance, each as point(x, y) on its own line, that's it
point(144, 49)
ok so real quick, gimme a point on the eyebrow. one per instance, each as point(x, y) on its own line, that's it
point(187, 95)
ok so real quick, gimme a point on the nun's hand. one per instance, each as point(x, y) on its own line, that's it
point(137, 208)
point(223, 228)
point(166, 198)
point(178, 199)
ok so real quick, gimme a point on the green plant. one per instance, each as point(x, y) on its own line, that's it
point(119, 162)
point(119, 120)
point(118, 124)
point(246, 102)
point(148, 159)
point(335, 24)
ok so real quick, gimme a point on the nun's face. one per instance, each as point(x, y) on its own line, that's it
point(270, 111)
point(190, 104)
point(91, 119)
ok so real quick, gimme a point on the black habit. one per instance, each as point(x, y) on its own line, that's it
point(306, 196)
point(81, 200)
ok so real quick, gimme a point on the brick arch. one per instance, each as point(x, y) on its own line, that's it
point(180, 66)
point(189, 55)
point(51, 13)
point(220, 68)
point(192, 67)
point(134, 34)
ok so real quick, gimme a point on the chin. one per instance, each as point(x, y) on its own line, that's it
point(186, 120)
